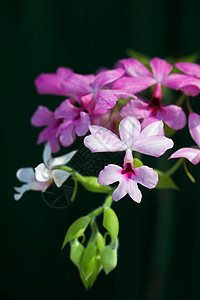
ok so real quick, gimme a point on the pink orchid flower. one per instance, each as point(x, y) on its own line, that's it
point(192, 154)
point(140, 78)
point(191, 85)
point(150, 140)
point(128, 178)
point(154, 110)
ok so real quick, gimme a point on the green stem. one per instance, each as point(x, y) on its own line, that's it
point(181, 100)
point(187, 172)
point(188, 104)
point(174, 168)
point(99, 210)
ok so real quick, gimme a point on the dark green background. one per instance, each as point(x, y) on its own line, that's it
point(159, 251)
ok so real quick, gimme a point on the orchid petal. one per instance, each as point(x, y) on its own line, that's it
point(67, 111)
point(106, 99)
point(134, 68)
point(120, 191)
point(193, 155)
point(25, 175)
point(134, 85)
point(191, 86)
point(133, 191)
point(103, 140)
point(135, 108)
point(160, 68)
point(153, 145)
point(46, 154)
point(110, 174)
point(146, 176)
point(174, 81)
point(49, 135)
point(82, 124)
point(42, 173)
point(189, 68)
point(42, 117)
point(194, 127)
point(149, 120)
point(62, 160)
point(59, 177)
point(76, 84)
point(107, 77)
point(21, 190)
point(129, 129)
point(173, 116)
point(67, 133)
point(153, 129)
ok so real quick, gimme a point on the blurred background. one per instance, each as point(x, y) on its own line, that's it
point(159, 251)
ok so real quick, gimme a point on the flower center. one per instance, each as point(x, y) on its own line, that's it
point(128, 170)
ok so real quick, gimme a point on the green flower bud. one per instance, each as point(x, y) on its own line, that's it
point(76, 252)
point(108, 259)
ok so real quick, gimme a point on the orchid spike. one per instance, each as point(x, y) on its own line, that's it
point(192, 154)
point(128, 178)
point(44, 174)
point(150, 140)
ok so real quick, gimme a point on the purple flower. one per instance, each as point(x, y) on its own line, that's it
point(192, 154)
point(191, 85)
point(140, 78)
point(154, 110)
point(150, 140)
point(128, 178)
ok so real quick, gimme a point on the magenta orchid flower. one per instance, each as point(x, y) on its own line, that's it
point(140, 78)
point(154, 110)
point(150, 140)
point(95, 93)
point(44, 174)
point(128, 178)
point(192, 154)
point(191, 85)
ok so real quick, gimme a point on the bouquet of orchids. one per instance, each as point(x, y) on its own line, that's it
point(112, 115)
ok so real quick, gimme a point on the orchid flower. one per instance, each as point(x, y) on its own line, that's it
point(128, 178)
point(192, 154)
point(140, 78)
point(191, 85)
point(44, 174)
point(154, 110)
point(150, 140)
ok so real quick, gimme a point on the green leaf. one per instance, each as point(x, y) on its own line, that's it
point(88, 260)
point(76, 230)
point(137, 163)
point(91, 184)
point(76, 252)
point(108, 259)
point(110, 222)
point(165, 182)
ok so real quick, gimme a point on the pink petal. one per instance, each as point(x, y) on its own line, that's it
point(133, 191)
point(147, 121)
point(194, 127)
point(42, 117)
point(103, 140)
point(134, 85)
point(106, 99)
point(160, 68)
point(129, 129)
point(173, 116)
point(67, 111)
point(67, 133)
point(135, 108)
point(174, 81)
point(76, 85)
point(49, 135)
point(82, 124)
point(146, 176)
point(155, 128)
point(189, 68)
point(153, 145)
point(135, 68)
point(110, 174)
point(120, 191)
point(107, 77)
point(51, 83)
point(191, 87)
point(193, 155)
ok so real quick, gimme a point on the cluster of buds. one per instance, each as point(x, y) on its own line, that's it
point(111, 111)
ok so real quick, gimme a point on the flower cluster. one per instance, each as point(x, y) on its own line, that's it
point(113, 111)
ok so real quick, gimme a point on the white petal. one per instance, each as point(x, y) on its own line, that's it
point(110, 174)
point(26, 174)
point(155, 128)
point(120, 191)
point(103, 140)
point(21, 190)
point(59, 176)
point(42, 173)
point(46, 154)
point(129, 129)
point(146, 176)
point(133, 191)
point(62, 160)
